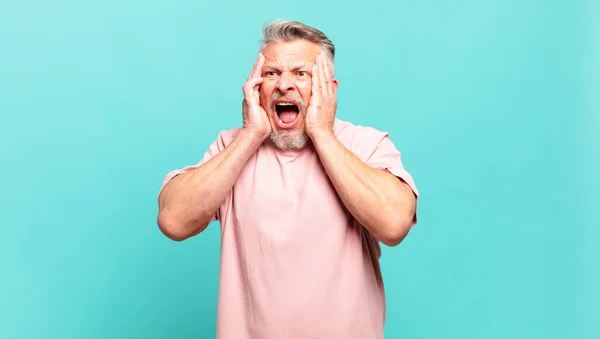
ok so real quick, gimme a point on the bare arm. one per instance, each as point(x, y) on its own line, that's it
point(382, 203)
point(188, 201)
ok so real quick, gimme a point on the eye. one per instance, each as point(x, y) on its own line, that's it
point(303, 73)
point(270, 73)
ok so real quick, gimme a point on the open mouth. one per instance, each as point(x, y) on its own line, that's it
point(287, 113)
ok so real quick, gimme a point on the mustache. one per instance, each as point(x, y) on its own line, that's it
point(291, 97)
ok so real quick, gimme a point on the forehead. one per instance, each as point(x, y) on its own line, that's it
point(293, 52)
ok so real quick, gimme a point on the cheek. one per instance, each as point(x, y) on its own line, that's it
point(265, 93)
point(306, 91)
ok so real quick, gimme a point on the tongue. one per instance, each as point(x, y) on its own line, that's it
point(288, 116)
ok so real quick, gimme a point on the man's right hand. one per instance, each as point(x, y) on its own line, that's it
point(189, 202)
point(255, 117)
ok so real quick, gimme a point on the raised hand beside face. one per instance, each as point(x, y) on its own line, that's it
point(254, 115)
point(320, 114)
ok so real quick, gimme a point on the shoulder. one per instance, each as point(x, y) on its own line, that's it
point(360, 140)
point(345, 130)
point(226, 137)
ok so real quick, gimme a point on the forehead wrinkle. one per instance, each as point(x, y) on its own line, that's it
point(289, 66)
point(294, 61)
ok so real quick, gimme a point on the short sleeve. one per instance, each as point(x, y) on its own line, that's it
point(387, 157)
point(215, 148)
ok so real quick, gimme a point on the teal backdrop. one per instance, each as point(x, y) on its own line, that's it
point(494, 105)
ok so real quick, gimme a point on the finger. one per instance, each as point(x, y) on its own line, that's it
point(323, 75)
point(254, 67)
point(315, 79)
point(330, 87)
point(250, 86)
point(257, 82)
point(257, 68)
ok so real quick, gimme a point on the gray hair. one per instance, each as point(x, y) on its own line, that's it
point(286, 30)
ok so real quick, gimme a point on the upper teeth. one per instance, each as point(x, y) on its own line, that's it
point(285, 104)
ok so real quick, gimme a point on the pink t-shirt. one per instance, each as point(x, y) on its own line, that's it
point(294, 263)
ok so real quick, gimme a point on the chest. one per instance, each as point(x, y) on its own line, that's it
point(287, 199)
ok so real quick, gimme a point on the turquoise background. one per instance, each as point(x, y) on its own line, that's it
point(494, 105)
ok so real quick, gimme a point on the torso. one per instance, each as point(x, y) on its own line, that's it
point(294, 262)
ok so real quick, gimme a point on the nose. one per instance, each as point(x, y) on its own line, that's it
point(286, 83)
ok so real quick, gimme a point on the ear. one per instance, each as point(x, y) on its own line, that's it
point(335, 85)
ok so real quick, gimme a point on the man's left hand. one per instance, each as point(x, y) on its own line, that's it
point(320, 114)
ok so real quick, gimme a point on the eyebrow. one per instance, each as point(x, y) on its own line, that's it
point(294, 68)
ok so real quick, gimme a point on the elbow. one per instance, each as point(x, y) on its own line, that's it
point(393, 238)
point(396, 231)
point(172, 228)
point(398, 223)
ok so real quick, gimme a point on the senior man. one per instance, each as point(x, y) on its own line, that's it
point(303, 199)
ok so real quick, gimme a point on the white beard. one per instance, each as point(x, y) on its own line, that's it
point(287, 140)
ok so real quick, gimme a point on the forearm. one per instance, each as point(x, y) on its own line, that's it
point(189, 200)
point(378, 200)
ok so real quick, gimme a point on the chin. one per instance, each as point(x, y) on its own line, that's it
point(289, 139)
